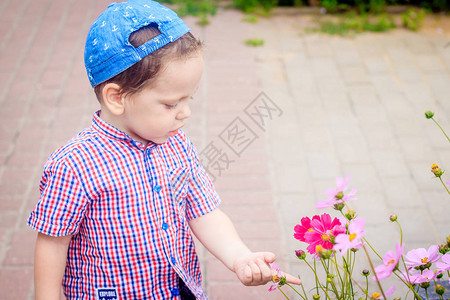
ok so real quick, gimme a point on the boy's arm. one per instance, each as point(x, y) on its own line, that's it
point(49, 264)
point(217, 233)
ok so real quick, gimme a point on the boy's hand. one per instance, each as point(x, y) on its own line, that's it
point(253, 269)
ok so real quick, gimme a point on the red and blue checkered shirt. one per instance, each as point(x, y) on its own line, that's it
point(127, 207)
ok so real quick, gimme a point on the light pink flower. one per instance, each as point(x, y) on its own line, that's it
point(322, 233)
point(302, 228)
point(420, 256)
point(444, 264)
point(352, 239)
point(421, 277)
point(337, 195)
point(276, 278)
point(390, 261)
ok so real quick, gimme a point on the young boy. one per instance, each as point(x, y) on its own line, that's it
point(119, 201)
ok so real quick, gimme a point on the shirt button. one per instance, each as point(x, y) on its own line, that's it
point(157, 188)
point(175, 292)
point(165, 226)
point(174, 261)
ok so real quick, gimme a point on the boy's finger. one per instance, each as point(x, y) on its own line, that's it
point(247, 274)
point(266, 271)
point(256, 272)
point(292, 279)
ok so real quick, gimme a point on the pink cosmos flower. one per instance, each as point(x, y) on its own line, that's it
point(277, 279)
point(420, 256)
point(305, 226)
point(390, 261)
point(444, 264)
point(322, 233)
point(337, 195)
point(421, 277)
point(352, 239)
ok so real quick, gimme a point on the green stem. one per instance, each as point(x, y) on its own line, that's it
point(327, 271)
point(295, 290)
point(341, 281)
point(367, 287)
point(373, 249)
point(441, 129)
point(304, 292)
point(317, 279)
point(283, 293)
point(401, 232)
point(375, 274)
point(318, 284)
point(444, 184)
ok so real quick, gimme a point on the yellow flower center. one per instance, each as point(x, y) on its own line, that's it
point(275, 279)
point(352, 236)
point(325, 237)
point(424, 260)
point(310, 230)
point(318, 248)
point(390, 262)
point(376, 295)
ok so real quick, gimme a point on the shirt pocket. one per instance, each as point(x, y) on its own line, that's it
point(179, 179)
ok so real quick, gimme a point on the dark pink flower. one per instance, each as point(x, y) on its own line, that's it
point(420, 256)
point(390, 261)
point(322, 233)
point(302, 228)
point(337, 195)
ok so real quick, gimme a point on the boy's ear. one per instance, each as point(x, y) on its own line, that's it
point(113, 99)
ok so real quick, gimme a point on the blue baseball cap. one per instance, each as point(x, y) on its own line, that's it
point(108, 51)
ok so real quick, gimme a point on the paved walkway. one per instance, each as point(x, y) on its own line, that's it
point(275, 125)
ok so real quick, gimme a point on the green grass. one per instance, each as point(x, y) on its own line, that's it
point(255, 42)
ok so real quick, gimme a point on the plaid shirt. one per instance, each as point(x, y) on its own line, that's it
point(127, 207)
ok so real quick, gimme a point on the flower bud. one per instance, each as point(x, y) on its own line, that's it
point(322, 252)
point(300, 254)
point(393, 218)
point(339, 206)
point(436, 170)
point(443, 249)
point(365, 272)
point(440, 290)
point(350, 215)
point(316, 297)
point(425, 285)
point(439, 276)
point(429, 114)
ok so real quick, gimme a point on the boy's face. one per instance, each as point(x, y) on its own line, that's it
point(159, 110)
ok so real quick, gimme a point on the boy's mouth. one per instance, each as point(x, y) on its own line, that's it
point(174, 132)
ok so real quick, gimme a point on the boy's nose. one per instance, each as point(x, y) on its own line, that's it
point(185, 112)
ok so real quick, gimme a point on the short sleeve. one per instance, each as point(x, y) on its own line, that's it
point(201, 194)
point(62, 203)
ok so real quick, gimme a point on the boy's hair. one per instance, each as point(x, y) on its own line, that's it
point(143, 73)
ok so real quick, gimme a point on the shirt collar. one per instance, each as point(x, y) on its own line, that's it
point(111, 132)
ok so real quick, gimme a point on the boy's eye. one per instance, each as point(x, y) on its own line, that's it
point(170, 106)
